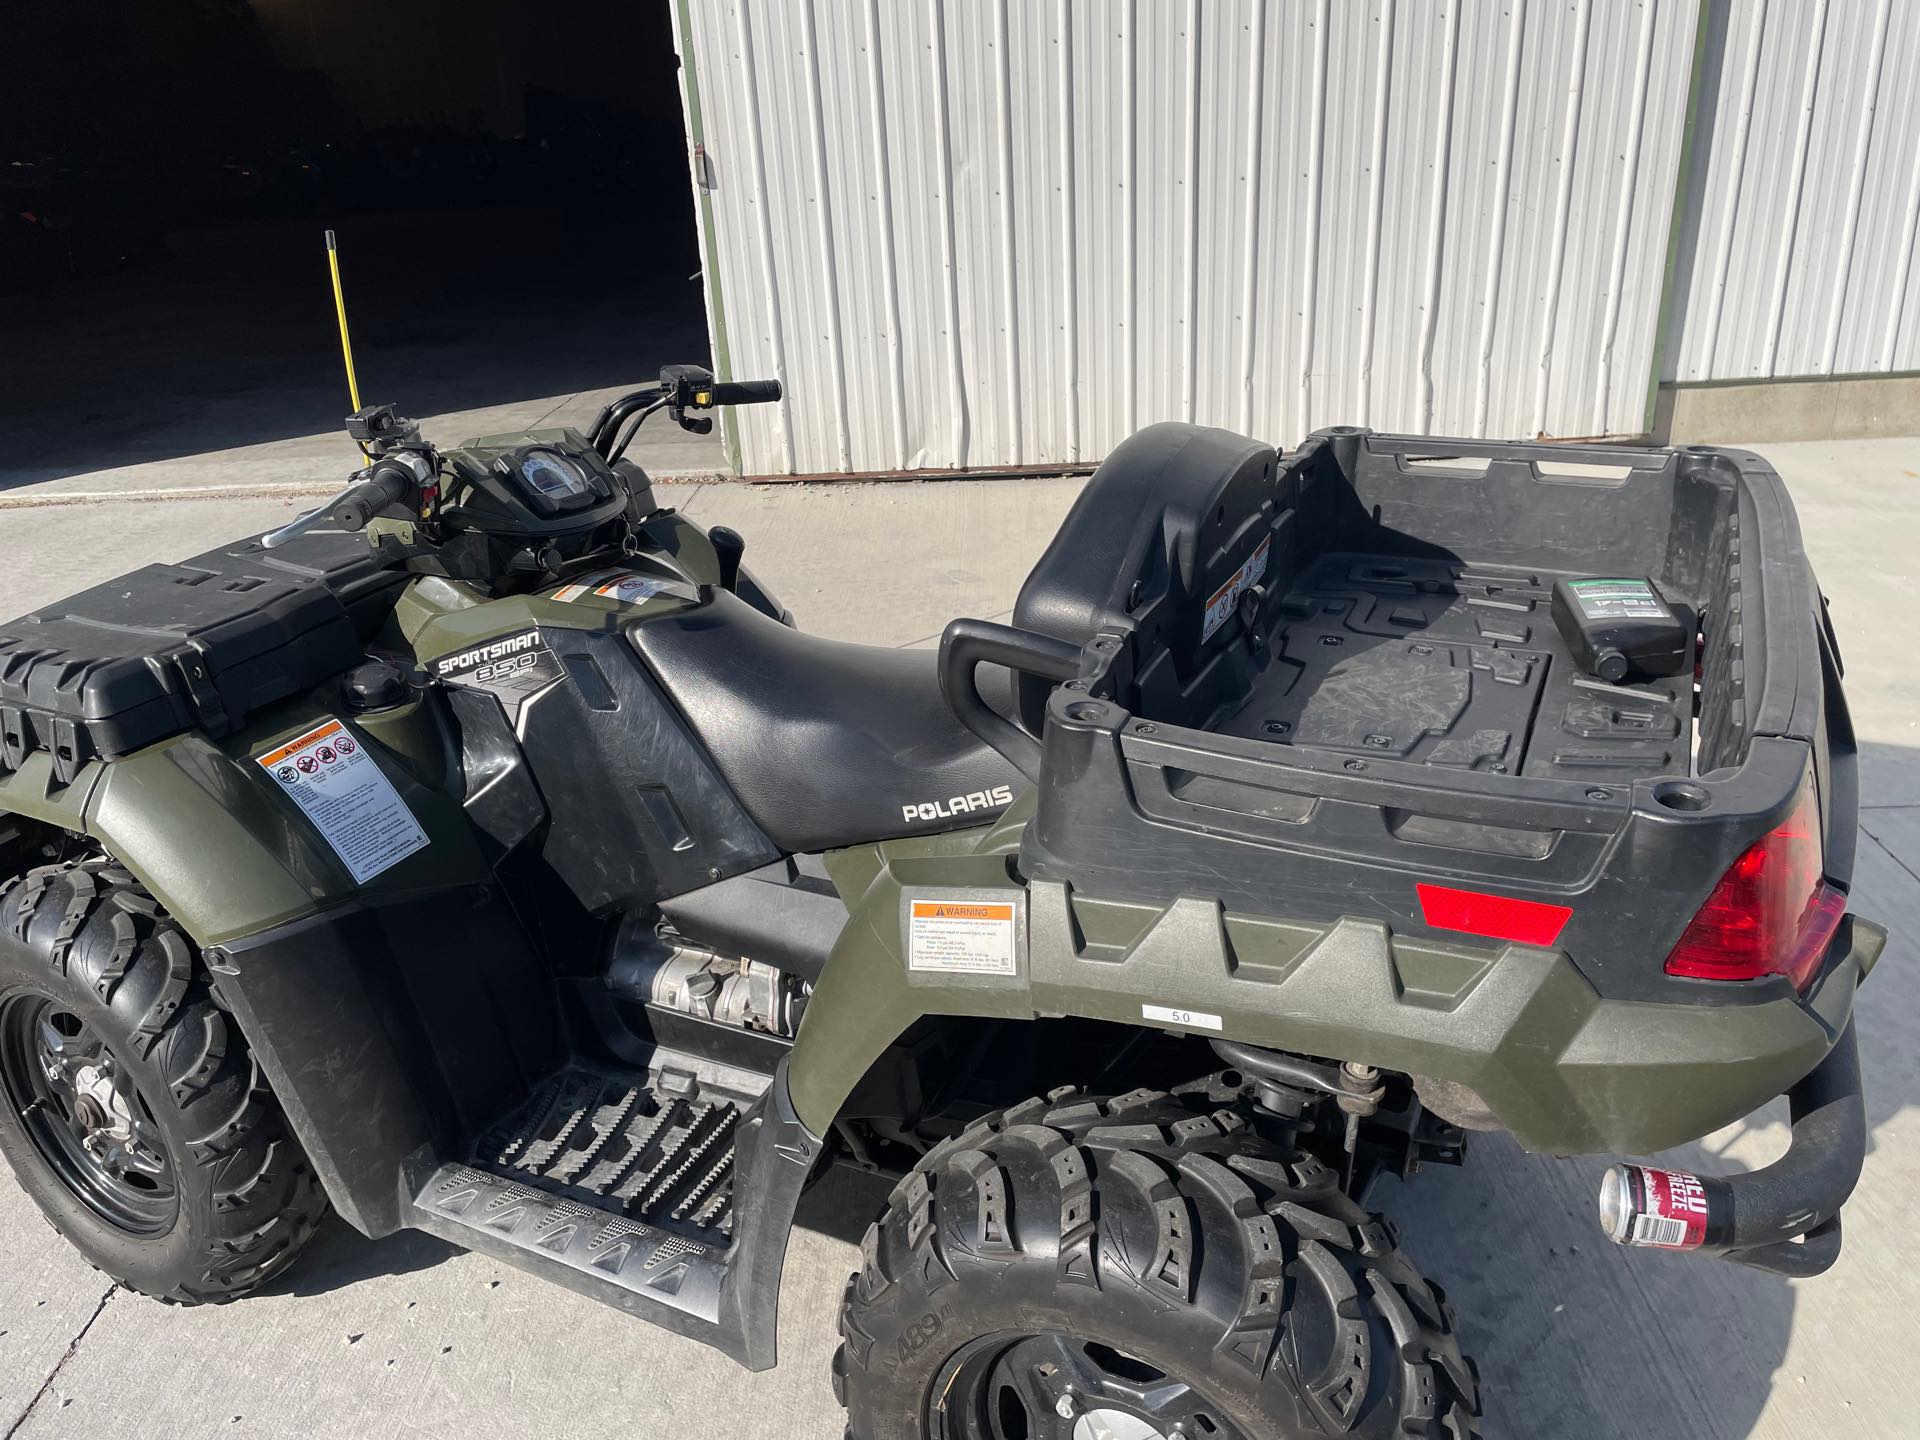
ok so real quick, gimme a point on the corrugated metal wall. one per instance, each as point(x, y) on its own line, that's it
point(1799, 251)
point(1006, 233)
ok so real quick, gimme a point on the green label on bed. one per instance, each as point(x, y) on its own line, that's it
point(1618, 600)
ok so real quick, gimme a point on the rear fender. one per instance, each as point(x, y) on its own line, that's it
point(1566, 1070)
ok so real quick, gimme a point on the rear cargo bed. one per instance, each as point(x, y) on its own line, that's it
point(1402, 610)
point(1315, 686)
point(1454, 664)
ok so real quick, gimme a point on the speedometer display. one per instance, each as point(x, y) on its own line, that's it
point(554, 475)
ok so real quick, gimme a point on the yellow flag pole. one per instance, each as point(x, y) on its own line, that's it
point(340, 309)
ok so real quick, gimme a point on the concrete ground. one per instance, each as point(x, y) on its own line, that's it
point(408, 1336)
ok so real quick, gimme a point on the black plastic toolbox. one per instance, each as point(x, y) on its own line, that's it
point(199, 645)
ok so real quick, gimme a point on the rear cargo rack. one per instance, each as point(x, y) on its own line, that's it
point(1318, 684)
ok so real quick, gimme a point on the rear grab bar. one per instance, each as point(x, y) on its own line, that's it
point(967, 644)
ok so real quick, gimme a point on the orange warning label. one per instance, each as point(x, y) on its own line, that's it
point(1220, 604)
point(343, 793)
point(963, 937)
point(301, 742)
point(960, 910)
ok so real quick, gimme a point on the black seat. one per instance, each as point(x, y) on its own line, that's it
point(825, 743)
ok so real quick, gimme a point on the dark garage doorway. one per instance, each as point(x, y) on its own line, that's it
point(508, 180)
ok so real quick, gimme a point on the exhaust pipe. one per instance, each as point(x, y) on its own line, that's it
point(1784, 1218)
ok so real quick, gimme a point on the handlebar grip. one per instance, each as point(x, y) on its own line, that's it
point(388, 485)
point(745, 392)
point(965, 645)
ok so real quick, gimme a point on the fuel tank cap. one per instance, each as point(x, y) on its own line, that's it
point(376, 684)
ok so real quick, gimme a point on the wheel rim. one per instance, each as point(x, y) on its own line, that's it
point(84, 1114)
point(1061, 1387)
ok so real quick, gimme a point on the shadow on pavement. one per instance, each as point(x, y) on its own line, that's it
point(231, 342)
point(339, 1257)
point(842, 1203)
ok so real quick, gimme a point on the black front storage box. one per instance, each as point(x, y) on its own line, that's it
point(194, 646)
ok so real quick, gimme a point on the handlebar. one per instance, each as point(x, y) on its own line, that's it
point(681, 388)
point(390, 482)
point(745, 392)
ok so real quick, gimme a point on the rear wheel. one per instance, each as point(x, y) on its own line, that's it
point(134, 1114)
point(1136, 1269)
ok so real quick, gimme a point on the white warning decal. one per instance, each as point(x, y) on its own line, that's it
point(340, 789)
point(962, 937)
point(623, 585)
point(1171, 1015)
point(1238, 583)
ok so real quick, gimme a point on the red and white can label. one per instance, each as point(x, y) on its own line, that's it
point(1670, 1212)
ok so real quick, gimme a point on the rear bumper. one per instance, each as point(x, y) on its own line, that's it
point(1642, 1078)
point(1785, 1217)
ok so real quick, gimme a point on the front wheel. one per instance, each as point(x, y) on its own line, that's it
point(133, 1113)
point(1135, 1269)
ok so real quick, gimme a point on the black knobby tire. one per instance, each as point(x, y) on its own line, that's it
point(1165, 1234)
point(87, 938)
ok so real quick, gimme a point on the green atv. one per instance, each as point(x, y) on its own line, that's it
point(486, 853)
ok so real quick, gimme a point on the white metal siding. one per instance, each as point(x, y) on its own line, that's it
point(1007, 233)
point(1799, 241)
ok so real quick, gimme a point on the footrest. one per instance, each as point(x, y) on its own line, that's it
point(623, 1148)
point(490, 1213)
point(603, 1180)
point(621, 1186)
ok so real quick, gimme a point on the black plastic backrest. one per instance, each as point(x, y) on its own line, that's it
point(1169, 516)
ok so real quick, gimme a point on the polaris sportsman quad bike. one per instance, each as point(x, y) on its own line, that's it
point(487, 853)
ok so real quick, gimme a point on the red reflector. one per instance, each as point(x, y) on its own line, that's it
point(1498, 917)
point(1772, 912)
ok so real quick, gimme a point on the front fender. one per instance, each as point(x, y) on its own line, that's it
point(212, 838)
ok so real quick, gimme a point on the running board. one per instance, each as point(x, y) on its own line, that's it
point(602, 1254)
point(629, 1194)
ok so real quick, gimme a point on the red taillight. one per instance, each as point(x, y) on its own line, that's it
point(1772, 912)
point(1498, 917)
